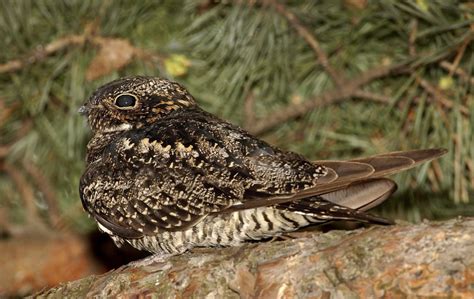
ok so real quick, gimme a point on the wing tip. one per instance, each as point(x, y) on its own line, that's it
point(438, 152)
point(421, 155)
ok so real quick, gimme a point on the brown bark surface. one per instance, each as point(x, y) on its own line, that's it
point(433, 259)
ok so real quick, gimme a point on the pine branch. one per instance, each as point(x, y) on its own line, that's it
point(311, 40)
point(333, 96)
point(374, 97)
point(439, 97)
point(41, 53)
point(457, 71)
point(46, 188)
point(26, 191)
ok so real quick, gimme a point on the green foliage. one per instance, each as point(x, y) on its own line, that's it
point(238, 49)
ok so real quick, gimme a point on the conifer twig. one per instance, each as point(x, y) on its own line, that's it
point(329, 97)
point(5, 148)
point(41, 53)
point(27, 195)
point(438, 96)
point(45, 187)
point(453, 69)
point(412, 38)
point(249, 110)
point(149, 56)
point(461, 50)
point(374, 97)
point(311, 40)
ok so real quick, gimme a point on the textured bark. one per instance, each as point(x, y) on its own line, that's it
point(429, 259)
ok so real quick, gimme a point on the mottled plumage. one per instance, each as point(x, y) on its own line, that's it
point(166, 176)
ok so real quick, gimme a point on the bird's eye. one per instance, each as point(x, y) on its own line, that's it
point(125, 101)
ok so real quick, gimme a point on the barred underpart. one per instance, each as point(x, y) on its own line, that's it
point(224, 230)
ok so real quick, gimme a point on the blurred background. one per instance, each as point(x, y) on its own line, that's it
point(327, 79)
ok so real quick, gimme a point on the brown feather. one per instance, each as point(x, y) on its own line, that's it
point(363, 195)
point(350, 173)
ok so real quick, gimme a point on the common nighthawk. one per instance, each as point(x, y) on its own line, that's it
point(166, 176)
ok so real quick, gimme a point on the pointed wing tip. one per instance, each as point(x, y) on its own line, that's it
point(438, 152)
point(417, 156)
point(426, 154)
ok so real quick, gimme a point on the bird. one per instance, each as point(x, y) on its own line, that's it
point(165, 176)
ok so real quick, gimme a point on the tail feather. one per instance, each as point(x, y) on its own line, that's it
point(383, 165)
point(355, 184)
point(363, 195)
point(417, 156)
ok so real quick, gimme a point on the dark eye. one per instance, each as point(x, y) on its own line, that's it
point(125, 101)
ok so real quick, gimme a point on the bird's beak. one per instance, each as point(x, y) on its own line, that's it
point(83, 110)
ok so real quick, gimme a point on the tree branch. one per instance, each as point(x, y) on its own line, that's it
point(88, 36)
point(440, 97)
point(41, 53)
point(311, 40)
point(424, 260)
point(457, 71)
point(378, 98)
point(26, 191)
point(330, 97)
point(43, 184)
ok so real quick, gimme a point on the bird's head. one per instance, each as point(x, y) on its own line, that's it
point(134, 102)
